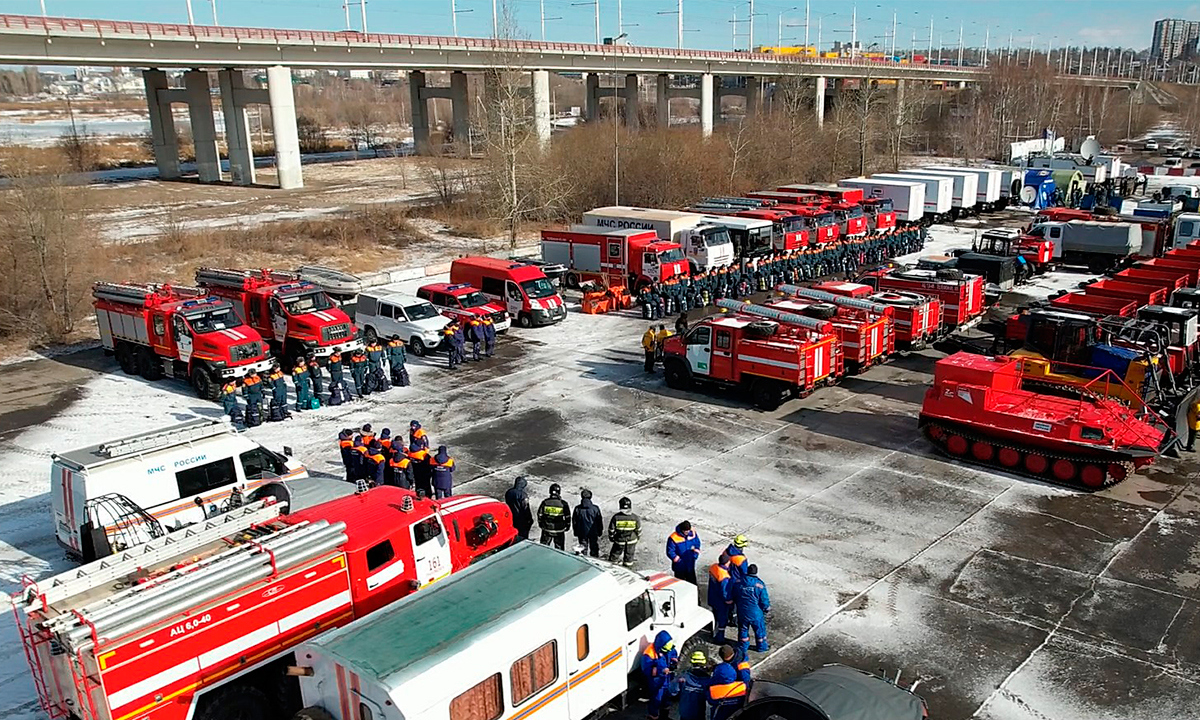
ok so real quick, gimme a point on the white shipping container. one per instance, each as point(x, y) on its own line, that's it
point(908, 198)
point(939, 192)
point(989, 181)
point(966, 185)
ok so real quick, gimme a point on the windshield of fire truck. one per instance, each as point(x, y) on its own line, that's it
point(717, 237)
point(307, 303)
point(472, 299)
point(883, 206)
point(222, 318)
point(760, 237)
point(539, 288)
point(826, 219)
point(672, 255)
point(855, 211)
point(793, 223)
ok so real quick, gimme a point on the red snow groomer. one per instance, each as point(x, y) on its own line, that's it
point(977, 410)
point(866, 329)
point(961, 296)
point(772, 354)
point(918, 317)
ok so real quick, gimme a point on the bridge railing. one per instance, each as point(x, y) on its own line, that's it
point(122, 28)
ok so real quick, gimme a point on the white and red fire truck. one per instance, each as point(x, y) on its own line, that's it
point(159, 331)
point(918, 318)
point(616, 256)
point(296, 316)
point(961, 296)
point(463, 302)
point(200, 624)
point(771, 353)
point(881, 214)
point(866, 329)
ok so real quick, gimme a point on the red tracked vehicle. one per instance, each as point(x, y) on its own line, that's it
point(918, 317)
point(978, 411)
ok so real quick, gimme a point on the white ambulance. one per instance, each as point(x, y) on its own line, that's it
point(116, 494)
point(528, 630)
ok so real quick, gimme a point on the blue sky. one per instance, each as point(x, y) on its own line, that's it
point(707, 22)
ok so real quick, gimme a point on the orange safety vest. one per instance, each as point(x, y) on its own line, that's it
point(345, 443)
point(727, 691)
point(419, 455)
point(399, 461)
point(718, 573)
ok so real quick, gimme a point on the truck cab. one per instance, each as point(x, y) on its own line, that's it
point(852, 221)
point(463, 301)
point(527, 293)
point(416, 321)
point(821, 223)
point(752, 237)
point(881, 214)
point(1187, 229)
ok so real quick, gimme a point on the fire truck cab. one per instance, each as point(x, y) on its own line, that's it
point(296, 315)
point(463, 301)
point(881, 214)
point(526, 291)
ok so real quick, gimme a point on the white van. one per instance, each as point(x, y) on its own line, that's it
point(416, 321)
point(117, 494)
point(529, 629)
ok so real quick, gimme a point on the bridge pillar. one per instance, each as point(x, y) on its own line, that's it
point(662, 100)
point(819, 100)
point(162, 125)
point(962, 84)
point(283, 127)
point(204, 128)
point(632, 100)
point(420, 112)
point(753, 94)
point(540, 87)
point(461, 110)
point(591, 98)
point(706, 105)
point(237, 126)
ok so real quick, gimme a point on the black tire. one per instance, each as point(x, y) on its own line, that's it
point(1098, 265)
point(126, 358)
point(571, 280)
point(821, 310)
point(276, 490)
point(699, 642)
point(148, 365)
point(203, 383)
point(313, 713)
point(417, 346)
point(766, 394)
point(525, 320)
point(761, 329)
point(949, 274)
point(370, 335)
point(235, 702)
point(677, 374)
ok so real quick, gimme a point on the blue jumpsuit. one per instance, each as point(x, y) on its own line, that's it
point(657, 661)
point(682, 551)
point(692, 694)
point(752, 601)
point(737, 564)
point(489, 337)
point(720, 598)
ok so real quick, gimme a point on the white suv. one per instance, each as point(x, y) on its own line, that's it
point(416, 321)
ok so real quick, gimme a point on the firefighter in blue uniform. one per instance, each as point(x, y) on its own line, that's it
point(737, 560)
point(346, 448)
point(375, 463)
point(451, 346)
point(753, 602)
point(658, 661)
point(475, 335)
point(400, 466)
point(720, 596)
point(229, 402)
point(303, 385)
point(694, 688)
point(489, 336)
point(443, 473)
point(726, 693)
point(683, 549)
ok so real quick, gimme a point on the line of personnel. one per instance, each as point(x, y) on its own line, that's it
point(479, 331)
point(746, 277)
point(382, 459)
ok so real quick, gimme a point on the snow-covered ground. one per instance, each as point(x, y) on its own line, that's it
point(1008, 598)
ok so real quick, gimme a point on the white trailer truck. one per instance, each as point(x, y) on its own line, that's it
point(908, 197)
point(965, 200)
point(705, 244)
point(989, 182)
point(530, 629)
point(939, 193)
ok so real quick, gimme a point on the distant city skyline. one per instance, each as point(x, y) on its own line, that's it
point(708, 23)
point(1174, 37)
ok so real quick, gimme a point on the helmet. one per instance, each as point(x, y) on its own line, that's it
point(739, 541)
point(699, 658)
point(555, 490)
point(414, 425)
point(626, 503)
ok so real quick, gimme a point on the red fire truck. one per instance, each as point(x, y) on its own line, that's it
point(771, 353)
point(866, 330)
point(295, 315)
point(879, 211)
point(852, 221)
point(918, 317)
point(961, 296)
point(785, 198)
point(833, 192)
point(790, 233)
point(630, 257)
point(464, 302)
point(200, 625)
point(159, 331)
point(819, 221)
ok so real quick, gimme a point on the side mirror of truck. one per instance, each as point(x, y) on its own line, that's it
point(287, 451)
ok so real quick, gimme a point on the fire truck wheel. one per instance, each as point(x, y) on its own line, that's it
point(766, 394)
point(677, 375)
point(313, 713)
point(235, 702)
point(571, 280)
point(525, 320)
point(126, 359)
point(203, 383)
point(148, 366)
point(277, 491)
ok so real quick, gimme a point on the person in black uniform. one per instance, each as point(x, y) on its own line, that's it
point(588, 524)
point(554, 518)
point(518, 503)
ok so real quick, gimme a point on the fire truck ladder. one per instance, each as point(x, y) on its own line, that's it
point(871, 307)
point(139, 294)
point(189, 432)
point(32, 639)
point(237, 279)
point(786, 317)
point(159, 599)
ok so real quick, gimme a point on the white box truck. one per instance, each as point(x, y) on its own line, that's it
point(908, 197)
point(988, 182)
point(939, 193)
point(966, 188)
point(114, 495)
point(1100, 246)
point(705, 244)
point(529, 629)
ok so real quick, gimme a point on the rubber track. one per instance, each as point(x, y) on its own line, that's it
point(1049, 477)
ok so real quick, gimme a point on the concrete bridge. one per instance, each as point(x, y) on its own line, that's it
point(230, 50)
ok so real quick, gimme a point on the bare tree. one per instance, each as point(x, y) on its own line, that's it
point(739, 142)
